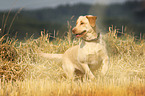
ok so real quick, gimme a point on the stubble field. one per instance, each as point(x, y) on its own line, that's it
point(24, 73)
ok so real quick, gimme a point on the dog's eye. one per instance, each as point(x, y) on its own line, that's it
point(82, 23)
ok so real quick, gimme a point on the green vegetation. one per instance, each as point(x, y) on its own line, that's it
point(24, 73)
point(24, 26)
point(130, 15)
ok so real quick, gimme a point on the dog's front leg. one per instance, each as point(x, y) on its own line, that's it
point(105, 66)
point(88, 73)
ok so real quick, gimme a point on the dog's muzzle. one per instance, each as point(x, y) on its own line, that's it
point(78, 35)
point(81, 33)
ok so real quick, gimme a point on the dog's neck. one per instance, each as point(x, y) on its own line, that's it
point(94, 39)
point(91, 35)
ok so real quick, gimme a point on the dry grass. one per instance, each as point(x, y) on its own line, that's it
point(44, 87)
point(43, 77)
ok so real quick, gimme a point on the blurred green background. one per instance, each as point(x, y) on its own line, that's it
point(128, 16)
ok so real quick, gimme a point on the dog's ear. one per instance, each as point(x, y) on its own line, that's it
point(92, 20)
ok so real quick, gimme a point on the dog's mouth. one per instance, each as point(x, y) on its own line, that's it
point(81, 34)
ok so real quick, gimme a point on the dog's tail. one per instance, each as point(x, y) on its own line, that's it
point(51, 56)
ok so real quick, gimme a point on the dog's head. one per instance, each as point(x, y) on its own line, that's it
point(84, 25)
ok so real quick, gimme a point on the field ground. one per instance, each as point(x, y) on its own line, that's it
point(32, 75)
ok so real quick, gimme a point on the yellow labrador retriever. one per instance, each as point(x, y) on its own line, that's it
point(89, 55)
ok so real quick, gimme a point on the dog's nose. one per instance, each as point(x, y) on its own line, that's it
point(73, 30)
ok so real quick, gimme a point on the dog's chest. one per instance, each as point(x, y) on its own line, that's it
point(89, 53)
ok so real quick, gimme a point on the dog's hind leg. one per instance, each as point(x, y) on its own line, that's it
point(68, 69)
